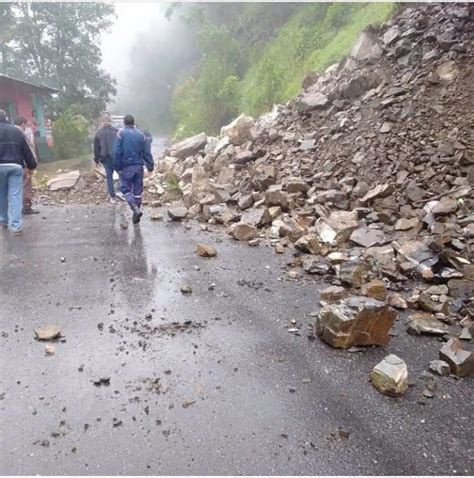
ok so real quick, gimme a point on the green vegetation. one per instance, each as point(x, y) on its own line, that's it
point(71, 135)
point(258, 54)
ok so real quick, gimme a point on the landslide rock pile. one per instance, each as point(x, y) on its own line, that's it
point(367, 174)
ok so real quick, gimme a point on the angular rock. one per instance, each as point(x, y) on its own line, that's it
point(375, 289)
point(444, 207)
point(380, 191)
point(367, 237)
point(355, 321)
point(47, 332)
point(276, 197)
point(177, 213)
point(421, 323)
point(403, 224)
point(239, 130)
point(352, 273)
point(390, 376)
point(308, 244)
point(312, 101)
point(460, 360)
point(205, 250)
point(440, 367)
point(333, 293)
point(189, 146)
point(391, 35)
point(257, 217)
point(296, 185)
point(242, 231)
point(316, 265)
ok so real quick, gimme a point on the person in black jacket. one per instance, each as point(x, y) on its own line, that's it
point(104, 153)
point(15, 154)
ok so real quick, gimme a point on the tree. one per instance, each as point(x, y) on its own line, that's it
point(58, 44)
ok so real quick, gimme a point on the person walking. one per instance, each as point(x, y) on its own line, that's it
point(22, 124)
point(15, 154)
point(103, 153)
point(132, 153)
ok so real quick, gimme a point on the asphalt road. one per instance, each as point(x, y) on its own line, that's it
point(231, 392)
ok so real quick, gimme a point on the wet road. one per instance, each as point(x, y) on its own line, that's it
point(231, 392)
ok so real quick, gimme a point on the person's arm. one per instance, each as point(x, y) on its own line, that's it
point(118, 152)
point(27, 154)
point(150, 164)
point(96, 149)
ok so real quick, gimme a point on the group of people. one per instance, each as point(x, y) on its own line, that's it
point(126, 151)
point(17, 162)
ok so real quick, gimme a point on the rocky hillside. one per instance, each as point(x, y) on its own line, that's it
point(367, 174)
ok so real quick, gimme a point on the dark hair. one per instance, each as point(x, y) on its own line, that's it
point(3, 115)
point(128, 120)
point(20, 120)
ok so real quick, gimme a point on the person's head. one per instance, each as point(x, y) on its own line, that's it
point(21, 122)
point(106, 120)
point(3, 116)
point(129, 120)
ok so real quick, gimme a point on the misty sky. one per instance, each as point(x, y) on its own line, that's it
point(132, 18)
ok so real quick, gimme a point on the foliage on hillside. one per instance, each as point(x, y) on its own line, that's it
point(257, 55)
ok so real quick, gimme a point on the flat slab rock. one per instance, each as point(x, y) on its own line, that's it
point(64, 181)
point(47, 332)
point(421, 323)
point(390, 376)
point(355, 321)
point(367, 237)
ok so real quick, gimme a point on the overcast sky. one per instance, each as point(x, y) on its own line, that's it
point(132, 18)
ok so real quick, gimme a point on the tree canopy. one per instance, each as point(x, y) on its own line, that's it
point(58, 44)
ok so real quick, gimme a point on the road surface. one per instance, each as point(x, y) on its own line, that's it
point(227, 390)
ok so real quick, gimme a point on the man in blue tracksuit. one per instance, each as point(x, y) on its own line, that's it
point(132, 152)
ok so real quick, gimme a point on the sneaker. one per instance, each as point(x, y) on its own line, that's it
point(29, 210)
point(119, 195)
point(112, 201)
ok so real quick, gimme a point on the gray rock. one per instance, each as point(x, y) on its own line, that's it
point(189, 146)
point(460, 360)
point(440, 367)
point(421, 323)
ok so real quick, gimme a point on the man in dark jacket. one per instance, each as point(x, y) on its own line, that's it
point(104, 153)
point(132, 153)
point(15, 154)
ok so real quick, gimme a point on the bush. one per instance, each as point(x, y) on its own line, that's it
point(70, 136)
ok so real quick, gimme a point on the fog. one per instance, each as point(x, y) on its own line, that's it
point(146, 54)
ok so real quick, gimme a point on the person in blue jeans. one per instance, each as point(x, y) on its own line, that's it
point(132, 153)
point(103, 153)
point(15, 154)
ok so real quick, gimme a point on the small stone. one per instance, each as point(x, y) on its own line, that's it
point(444, 207)
point(440, 367)
point(49, 350)
point(205, 250)
point(397, 301)
point(48, 332)
point(390, 376)
point(279, 248)
point(186, 289)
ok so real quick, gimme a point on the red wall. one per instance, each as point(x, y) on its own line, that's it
point(21, 95)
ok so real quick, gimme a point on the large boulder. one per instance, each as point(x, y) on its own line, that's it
point(189, 146)
point(312, 101)
point(460, 359)
point(355, 321)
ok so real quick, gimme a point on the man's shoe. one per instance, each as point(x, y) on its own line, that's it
point(119, 195)
point(29, 210)
point(137, 214)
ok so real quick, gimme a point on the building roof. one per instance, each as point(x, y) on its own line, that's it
point(46, 89)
